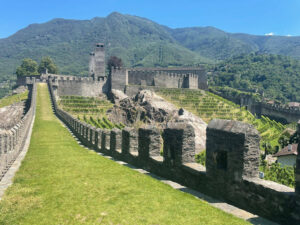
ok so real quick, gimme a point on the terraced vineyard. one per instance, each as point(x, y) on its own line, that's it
point(90, 110)
point(209, 106)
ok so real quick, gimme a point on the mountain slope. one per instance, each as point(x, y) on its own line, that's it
point(211, 42)
point(138, 41)
point(277, 76)
point(217, 44)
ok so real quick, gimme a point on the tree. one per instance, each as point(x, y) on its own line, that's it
point(27, 68)
point(48, 65)
point(114, 62)
point(268, 149)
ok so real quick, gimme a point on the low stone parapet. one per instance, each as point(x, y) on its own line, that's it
point(232, 162)
point(12, 140)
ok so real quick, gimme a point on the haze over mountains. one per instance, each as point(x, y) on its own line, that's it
point(138, 41)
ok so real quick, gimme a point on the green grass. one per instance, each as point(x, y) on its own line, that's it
point(60, 182)
point(13, 99)
point(209, 106)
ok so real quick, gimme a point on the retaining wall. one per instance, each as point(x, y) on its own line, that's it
point(12, 141)
point(232, 161)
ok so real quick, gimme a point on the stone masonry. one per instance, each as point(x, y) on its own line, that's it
point(232, 163)
point(179, 144)
point(232, 150)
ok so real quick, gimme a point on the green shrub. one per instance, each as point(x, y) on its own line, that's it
point(201, 158)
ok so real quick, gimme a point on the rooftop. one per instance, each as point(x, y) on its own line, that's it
point(291, 149)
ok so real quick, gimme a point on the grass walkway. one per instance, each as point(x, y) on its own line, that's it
point(60, 182)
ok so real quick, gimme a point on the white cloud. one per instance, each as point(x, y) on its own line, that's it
point(269, 34)
point(289, 35)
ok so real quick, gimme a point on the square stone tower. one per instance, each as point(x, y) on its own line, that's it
point(97, 62)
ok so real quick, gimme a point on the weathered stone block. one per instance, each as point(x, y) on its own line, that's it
point(179, 144)
point(92, 135)
point(129, 140)
point(232, 150)
point(81, 129)
point(97, 138)
point(105, 139)
point(87, 133)
point(115, 140)
point(148, 142)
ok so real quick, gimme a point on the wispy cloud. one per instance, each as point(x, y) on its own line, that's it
point(269, 34)
point(289, 35)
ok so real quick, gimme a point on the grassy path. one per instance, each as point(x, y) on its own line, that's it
point(60, 182)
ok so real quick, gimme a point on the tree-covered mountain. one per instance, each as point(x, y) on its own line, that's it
point(276, 75)
point(138, 41)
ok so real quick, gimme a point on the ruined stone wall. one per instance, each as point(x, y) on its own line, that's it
point(232, 162)
point(12, 140)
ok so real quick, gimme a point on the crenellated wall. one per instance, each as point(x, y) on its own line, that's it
point(12, 141)
point(192, 78)
point(285, 114)
point(79, 86)
point(232, 161)
point(276, 112)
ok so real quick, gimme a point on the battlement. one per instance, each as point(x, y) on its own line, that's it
point(232, 161)
point(183, 69)
point(12, 140)
point(295, 110)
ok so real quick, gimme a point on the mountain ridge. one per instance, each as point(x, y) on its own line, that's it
point(137, 40)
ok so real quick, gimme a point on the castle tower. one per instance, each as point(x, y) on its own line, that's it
point(97, 62)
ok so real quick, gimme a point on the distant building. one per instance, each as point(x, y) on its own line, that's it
point(288, 155)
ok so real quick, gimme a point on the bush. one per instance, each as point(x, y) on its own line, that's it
point(201, 158)
point(283, 175)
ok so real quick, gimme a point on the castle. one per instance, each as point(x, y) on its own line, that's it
point(127, 80)
point(232, 147)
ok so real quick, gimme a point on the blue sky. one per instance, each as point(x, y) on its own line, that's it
point(279, 17)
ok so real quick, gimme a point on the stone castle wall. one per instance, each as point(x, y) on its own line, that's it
point(12, 141)
point(158, 77)
point(79, 86)
point(232, 161)
point(279, 113)
point(286, 114)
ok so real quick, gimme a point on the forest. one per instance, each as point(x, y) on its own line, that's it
point(276, 76)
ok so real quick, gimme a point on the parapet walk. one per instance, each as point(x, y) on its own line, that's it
point(12, 141)
point(232, 161)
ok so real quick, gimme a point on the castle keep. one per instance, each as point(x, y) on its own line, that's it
point(97, 62)
point(125, 79)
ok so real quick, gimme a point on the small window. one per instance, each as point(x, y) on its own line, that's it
point(222, 160)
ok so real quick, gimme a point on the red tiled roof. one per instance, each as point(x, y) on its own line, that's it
point(286, 151)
